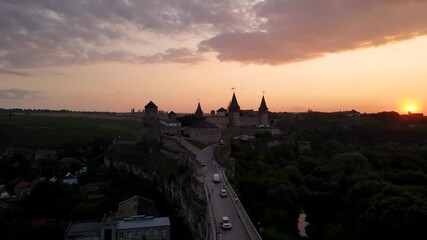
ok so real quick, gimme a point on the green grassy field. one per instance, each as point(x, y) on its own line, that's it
point(54, 131)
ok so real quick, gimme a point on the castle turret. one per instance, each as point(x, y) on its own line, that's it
point(263, 112)
point(199, 112)
point(172, 115)
point(234, 112)
point(151, 114)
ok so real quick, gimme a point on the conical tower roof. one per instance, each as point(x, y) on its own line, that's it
point(263, 107)
point(234, 106)
point(151, 105)
point(199, 112)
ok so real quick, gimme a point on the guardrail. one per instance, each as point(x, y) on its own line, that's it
point(247, 223)
point(211, 212)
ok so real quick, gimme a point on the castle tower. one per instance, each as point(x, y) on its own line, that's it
point(172, 115)
point(151, 113)
point(234, 112)
point(263, 112)
point(199, 112)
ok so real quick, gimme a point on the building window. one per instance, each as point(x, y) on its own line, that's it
point(147, 233)
point(156, 234)
point(121, 235)
point(129, 234)
point(138, 234)
point(164, 234)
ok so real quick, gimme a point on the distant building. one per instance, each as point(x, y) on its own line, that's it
point(199, 112)
point(413, 117)
point(151, 114)
point(221, 112)
point(234, 112)
point(70, 179)
point(124, 225)
point(263, 113)
point(83, 230)
point(151, 122)
point(94, 189)
point(136, 206)
point(170, 122)
point(140, 227)
point(353, 114)
point(237, 118)
point(22, 189)
point(172, 115)
point(221, 124)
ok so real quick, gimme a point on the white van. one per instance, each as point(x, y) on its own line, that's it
point(215, 178)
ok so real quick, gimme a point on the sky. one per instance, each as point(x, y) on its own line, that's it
point(114, 55)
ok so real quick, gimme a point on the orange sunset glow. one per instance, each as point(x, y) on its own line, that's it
point(76, 59)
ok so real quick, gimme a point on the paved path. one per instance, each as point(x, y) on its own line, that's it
point(223, 206)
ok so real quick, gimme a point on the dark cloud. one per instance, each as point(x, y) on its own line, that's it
point(56, 32)
point(173, 55)
point(20, 94)
point(36, 34)
point(295, 30)
point(16, 73)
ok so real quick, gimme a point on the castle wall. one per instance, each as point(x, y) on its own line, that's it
point(221, 122)
point(249, 121)
point(206, 135)
point(224, 122)
point(234, 119)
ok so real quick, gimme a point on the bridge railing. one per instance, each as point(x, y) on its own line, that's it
point(212, 219)
point(246, 221)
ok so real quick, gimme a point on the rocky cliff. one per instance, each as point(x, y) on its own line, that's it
point(174, 174)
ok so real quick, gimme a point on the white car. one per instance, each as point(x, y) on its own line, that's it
point(223, 193)
point(225, 223)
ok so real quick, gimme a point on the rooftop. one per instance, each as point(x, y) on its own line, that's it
point(234, 106)
point(169, 120)
point(78, 227)
point(143, 222)
point(151, 105)
point(263, 107)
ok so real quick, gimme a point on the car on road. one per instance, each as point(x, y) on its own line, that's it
point(215, 178)
point(223, 193)
point(225, 223)
point(203, 164)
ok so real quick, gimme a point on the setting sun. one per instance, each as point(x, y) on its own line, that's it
point(411, 108)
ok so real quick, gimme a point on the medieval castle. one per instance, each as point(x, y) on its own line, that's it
point(221, 124)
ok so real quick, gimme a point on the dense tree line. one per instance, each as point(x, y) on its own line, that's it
point(364, 178)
